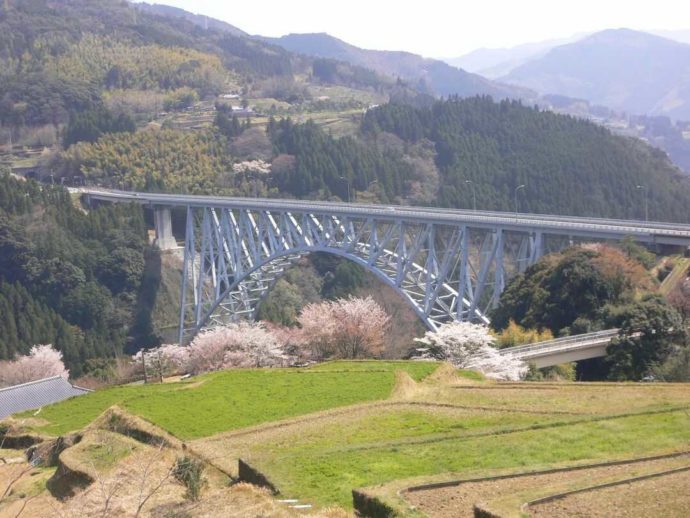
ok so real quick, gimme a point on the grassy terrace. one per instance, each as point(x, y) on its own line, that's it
point(450, 425)
point(325, 471)
point(221, 401)
point(467, 427)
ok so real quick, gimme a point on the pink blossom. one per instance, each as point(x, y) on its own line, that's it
point(42, 362)
point(345, 328)
point(470, 346)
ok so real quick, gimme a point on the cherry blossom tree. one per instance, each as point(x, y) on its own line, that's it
point(469, 346)
point(346, 328)
point(244, 344)
point(42, 362)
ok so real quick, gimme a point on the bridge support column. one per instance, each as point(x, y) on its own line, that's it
point(163, 225)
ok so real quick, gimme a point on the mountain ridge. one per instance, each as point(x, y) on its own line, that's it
point(499, 61)
point(623, 69)
point(433, 75)
point(197, 19)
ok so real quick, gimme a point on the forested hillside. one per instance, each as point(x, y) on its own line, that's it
point(67, 278)
point(569, 166)
point(432, 156)
point(58, 57)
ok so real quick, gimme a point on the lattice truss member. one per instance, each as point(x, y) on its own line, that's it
point(233, 257)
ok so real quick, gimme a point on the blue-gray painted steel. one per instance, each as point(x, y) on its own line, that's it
point(447, 264)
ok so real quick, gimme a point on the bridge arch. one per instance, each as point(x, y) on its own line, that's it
point(246, 294)
point(240, 256)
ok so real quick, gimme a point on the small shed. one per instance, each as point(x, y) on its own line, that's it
point(36, 394)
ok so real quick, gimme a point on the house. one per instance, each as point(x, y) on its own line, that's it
point(243, 112)
point(36, 394)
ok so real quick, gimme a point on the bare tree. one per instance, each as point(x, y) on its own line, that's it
point(146, 490)
point(109, 488)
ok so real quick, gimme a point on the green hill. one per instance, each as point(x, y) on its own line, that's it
point(569, 166)
point(60, 56)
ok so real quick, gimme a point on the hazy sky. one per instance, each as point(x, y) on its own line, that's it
point(439, 28)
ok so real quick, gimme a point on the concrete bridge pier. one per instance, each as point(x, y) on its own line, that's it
point(163, 225)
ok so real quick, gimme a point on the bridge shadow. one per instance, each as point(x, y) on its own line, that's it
point(142, 333)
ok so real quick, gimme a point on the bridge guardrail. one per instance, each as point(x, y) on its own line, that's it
point(559, 343)
point(595, 225)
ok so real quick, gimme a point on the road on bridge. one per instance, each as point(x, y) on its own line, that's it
point(601, 228)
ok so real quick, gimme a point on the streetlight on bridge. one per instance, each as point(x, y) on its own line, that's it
point(521, 186)
point(646, 200)
point(474, 195)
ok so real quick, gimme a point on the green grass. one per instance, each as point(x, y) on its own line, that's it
point(104, 451)
point(471, 375)
point(228, 400)
point(441, 427)
point(416, 370)
point(386, 424)
point(326, 476)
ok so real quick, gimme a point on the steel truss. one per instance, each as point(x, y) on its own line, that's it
point(233, 257)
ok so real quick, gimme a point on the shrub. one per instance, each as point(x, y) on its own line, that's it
point(190, 472)
point(515, 334)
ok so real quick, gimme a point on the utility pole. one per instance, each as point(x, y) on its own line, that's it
point(143, 364)
point(474, 195)
point(646, 200)
point(522, 186)
point(160, 367)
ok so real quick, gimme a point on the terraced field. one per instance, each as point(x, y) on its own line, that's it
point(221, 401)
point(316, 434)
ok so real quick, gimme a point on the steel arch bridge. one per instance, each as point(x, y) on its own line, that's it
point(234, 257)
point(447, 264)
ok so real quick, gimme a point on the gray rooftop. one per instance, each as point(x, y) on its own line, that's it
point(36, 394)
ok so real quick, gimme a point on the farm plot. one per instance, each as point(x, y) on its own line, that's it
point(506, 494)
point(228, 400)
point(665, 495)
point(322, 457)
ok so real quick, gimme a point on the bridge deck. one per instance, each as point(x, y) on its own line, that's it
point(653, 232)
point(561, 350)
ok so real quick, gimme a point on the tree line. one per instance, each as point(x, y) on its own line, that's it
point(67, 278)
point(590, 289)
point(486, 150)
